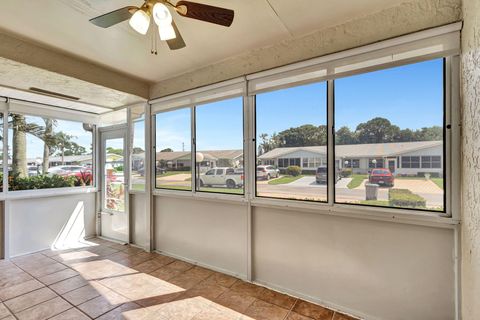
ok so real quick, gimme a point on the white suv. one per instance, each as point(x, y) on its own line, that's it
point(267, 172)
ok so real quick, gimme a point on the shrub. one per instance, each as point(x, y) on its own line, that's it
point(40, 182)
point(405, 198)
point(345, 173)
point(294, 171)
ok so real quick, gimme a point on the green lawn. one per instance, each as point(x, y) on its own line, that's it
point(188, 188)
point(284, 179)
point(172, 173)
point(357, 180)
point(438, 182)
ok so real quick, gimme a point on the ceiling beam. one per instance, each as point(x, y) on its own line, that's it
point(39, 56)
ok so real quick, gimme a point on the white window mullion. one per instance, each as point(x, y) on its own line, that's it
point(330, 142)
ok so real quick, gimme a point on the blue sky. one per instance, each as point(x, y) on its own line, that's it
point(35, 145)
point(409, 96)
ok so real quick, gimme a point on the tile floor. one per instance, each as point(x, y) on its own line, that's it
point(106, 280)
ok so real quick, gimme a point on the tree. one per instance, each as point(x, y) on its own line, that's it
point(305, 135)
point(377, 130)
point(137, 150)
point(345, 136)
point(429, 134)
point(48, 141)
point(63, 143)
point(167, 150)
point(267, 143)
point(115, 151)
point(19, 147)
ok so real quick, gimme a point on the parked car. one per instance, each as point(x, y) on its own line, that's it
point(267, 172)
point(381, 176)
point(33, 171)
point(222, 177)
point(321, 175)
point(68, 171)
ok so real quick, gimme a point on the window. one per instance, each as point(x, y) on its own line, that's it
point(291, 128)
point(391, 116)
point(173, 158)
point(49, 153)
point(433, 162)
point(137, 175)
point(351, 163)
point(410, 162)
point(219, 145)
point(375, 163)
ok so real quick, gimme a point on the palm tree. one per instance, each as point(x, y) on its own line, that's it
point(48, 142)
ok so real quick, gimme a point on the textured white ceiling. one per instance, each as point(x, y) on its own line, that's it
point(63, 24)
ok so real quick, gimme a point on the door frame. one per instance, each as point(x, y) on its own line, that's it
point(104, 133)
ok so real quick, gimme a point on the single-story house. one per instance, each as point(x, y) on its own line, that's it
point(179, 160)
point(402, 158)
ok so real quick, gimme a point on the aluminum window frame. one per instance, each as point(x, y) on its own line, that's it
point(48, 111)
point(452, 130)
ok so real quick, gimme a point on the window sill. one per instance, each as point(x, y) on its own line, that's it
point(45, 193)
point(358, 212)
point(201, 196)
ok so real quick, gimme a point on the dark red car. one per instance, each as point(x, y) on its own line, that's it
point(381, 176)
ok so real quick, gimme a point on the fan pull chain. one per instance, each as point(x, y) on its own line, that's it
point(156, 43)
point(151, 43)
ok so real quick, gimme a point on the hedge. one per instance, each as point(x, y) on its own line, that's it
point(345, 173)
point(294, 171)
point(405, 198)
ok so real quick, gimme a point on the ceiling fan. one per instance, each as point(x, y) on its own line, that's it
point(140, 18)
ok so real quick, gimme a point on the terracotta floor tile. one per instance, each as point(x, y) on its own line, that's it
point(204, 289)
point(279, 299)
point(164, 260)
point(180, 265)
point(341, 316)
point(184, 309)
point(19, 289)
point(100, 269)
point(102, 304)
point(312, 310)
point(15, 279)
point(221, 279)
point(248, 289)
point(185, 280)
point(68, 285)
point(295, 316)
point(235, 301)
point(30, 299)
point(47, 269)
point(261, 310)
point(121, 312)
point(4, 312)
point(165, 273)
point(140, 286)
point(218, 312)
point(130, 249)
point(148, 266)
point(71, 314)
point(82, 294)
point(199, 272)
point(45, 310)
point(58, 276)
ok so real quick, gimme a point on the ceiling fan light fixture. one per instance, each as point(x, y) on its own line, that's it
point(140, 21)
point(161, 14)
point(167, 32)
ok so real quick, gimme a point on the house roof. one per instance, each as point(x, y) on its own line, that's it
point(358, 150)
point(207, 154)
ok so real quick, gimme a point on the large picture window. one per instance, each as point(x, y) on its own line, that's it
point(291, 135)
point(219, 146)
point(388, 116)
point(48, 153)
point(173, 158)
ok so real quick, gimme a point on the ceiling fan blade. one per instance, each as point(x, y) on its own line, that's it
point(109, 19)
point(205, 12)
point(178, 42)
